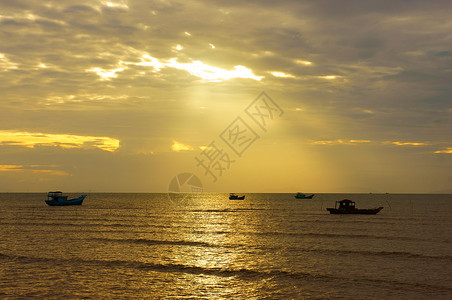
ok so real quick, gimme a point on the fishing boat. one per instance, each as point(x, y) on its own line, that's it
point(303, 196)
point(347, 206)
point(233, 196)
point(58, 199)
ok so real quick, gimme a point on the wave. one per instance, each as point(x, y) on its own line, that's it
point(379, 253)
point(84, 223)
point(315, 234)
point(229, 210)
point(167, 268)
point(151, 242)
point(242, 273)
point(336, 235)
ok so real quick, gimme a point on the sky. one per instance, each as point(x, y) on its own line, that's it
point(243, 96)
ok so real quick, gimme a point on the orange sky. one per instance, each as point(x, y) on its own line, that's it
point(121, 96)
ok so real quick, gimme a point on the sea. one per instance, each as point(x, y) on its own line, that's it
point(205, 246)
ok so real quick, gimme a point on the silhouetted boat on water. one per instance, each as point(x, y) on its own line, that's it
point(347, 206)
point(233, 196)
point(303, 196)
point(57, 199)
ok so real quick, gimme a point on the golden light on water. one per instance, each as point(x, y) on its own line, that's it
point(32, 139)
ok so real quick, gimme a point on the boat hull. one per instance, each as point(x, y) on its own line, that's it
point(237, 198)
point(63, 202)
point(338, 211)
point(304, 196)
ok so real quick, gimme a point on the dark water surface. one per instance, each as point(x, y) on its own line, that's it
point(204, 246)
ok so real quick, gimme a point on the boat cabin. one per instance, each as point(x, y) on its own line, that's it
point(56, 195)
point(345, 204)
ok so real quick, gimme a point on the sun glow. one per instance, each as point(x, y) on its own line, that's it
point(149, 61)
point(329, 77)
point(32, 139)
point(209, 73)
point(178, 47)
point(6, 64)
point(196, 68)
point(116, 4)
point(106, 74)
point(177, 147)
point(281, 74)
point(303, 62)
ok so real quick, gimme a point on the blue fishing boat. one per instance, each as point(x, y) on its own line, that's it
point(58, 199)
point(233, 196)
point(303, 196)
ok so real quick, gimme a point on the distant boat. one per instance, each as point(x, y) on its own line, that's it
point(303, 196)
point(233, 196)
point(57, 199)
point(347, 206)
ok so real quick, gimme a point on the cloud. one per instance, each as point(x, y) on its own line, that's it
point(447, 151)
point(11, 168)
point(341, 142)
point(282, 74)
point(196, 68)
point(408, 143)
point(30, 140)
point(177, 147)
point(34, 169)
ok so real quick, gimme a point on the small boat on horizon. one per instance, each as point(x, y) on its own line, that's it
point(347, 206)
point(233, 196)
point(303, 196)
point(58, 199)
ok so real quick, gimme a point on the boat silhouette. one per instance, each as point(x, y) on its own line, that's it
point(58, 199)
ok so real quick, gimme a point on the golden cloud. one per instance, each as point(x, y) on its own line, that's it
point(448, 150)
point(31, 139)
point(35, 169)
point(341, 142)
point(196, 68)
point(407, 143)
point(177, 147)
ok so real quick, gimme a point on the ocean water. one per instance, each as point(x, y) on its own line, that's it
point(205, 246)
